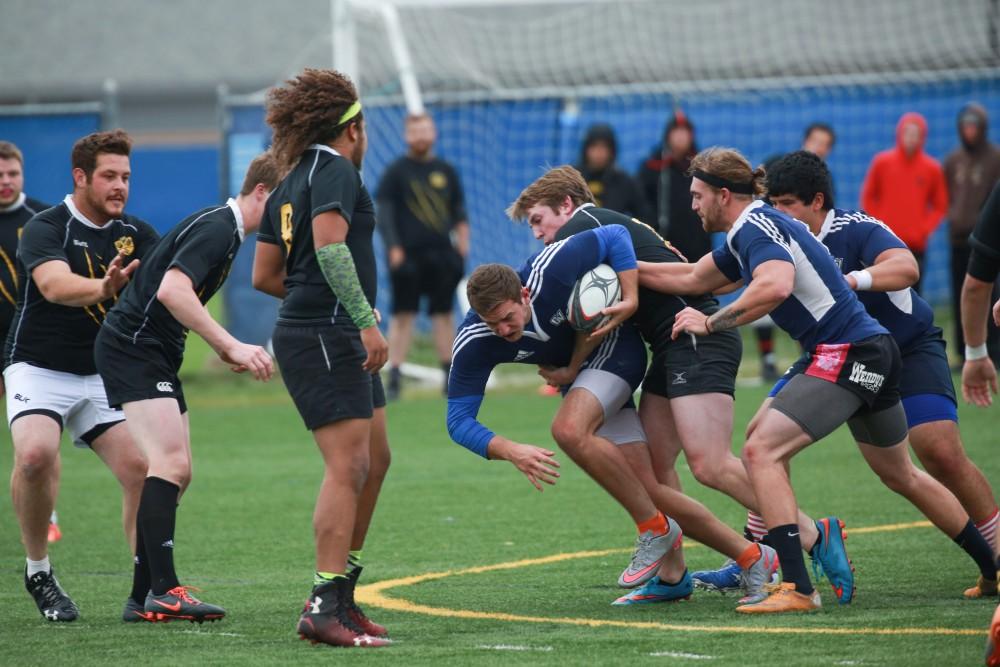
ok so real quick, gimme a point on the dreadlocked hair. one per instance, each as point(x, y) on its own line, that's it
point(307, 110)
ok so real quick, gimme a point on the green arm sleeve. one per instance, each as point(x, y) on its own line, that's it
point(338, 268)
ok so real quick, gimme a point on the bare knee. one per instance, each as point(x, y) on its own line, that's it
point(35, 461)
point(378, 465)
point(756, 452)
point(944, 463)
point(705, 470)
point(566, 432)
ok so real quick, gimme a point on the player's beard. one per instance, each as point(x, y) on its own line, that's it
point(109, 208)
point(711, 217)
point(358, 155)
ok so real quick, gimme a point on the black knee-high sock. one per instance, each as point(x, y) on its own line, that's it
point(785, 540)
point(140, 573)
point(976, 546)
point(157, 516)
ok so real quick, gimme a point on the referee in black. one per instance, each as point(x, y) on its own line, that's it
point(422, 218)
point(139, 351)
point(314, 251)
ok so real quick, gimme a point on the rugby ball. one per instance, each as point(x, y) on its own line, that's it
point(593, 292)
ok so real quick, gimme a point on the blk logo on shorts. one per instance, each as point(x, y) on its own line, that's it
point(679, 377)
point(165, 387)
point(21, 397)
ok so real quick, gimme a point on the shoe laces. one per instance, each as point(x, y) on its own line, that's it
point(181, 592)
point(642, 543)
point(50, 591)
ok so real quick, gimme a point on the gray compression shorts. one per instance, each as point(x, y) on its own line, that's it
point(819, 407)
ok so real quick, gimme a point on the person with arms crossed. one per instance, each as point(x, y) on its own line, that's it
point(421, 214)
point(73, 260)
point(852, 375)
point(979, 375)
point(881, 269)
point(517, 317)
point(139, 352)
point(687, 394)
point(315, 252)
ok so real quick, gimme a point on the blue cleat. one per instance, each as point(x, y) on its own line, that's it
point(725, 580)
point(655, 590)
point(829, 558)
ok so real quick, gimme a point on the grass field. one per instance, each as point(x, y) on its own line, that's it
point(244, 535)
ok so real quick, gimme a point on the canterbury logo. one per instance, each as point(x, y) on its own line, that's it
point(164, 386)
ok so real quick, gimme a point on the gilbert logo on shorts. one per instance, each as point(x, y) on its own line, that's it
point(164, 387)
point(870, 381)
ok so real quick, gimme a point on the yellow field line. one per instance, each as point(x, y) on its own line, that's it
point(375, 595)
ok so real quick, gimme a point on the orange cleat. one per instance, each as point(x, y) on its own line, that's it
point(54, 533)
point(984, 588)
point(784, 599)
point(993, 642)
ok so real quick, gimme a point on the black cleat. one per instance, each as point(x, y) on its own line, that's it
point(136, 613)
point(53, 603)
point(179, 604)
point(355, 613)
point(325, 619)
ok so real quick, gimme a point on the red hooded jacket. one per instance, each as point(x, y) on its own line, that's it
point(908, 193)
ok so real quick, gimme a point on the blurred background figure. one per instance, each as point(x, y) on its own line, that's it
point(421, 214)
point(905, 188)
point(666, 188)
point(971, 171)
point(818, 139)
point(611, 186)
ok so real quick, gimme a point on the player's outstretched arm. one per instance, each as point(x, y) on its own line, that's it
point(894, 269)
point(772, 283)
point(177, 294)
point(702, 277)
point(58, 284)
point(979, 376)
point(539, 465)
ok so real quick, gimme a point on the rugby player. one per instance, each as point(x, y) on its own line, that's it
point(73, 260)
point(314, 251)
point(139, 352)
point(852, 374)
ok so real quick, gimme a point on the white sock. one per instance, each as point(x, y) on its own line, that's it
point(36, 566)
point(54, 518)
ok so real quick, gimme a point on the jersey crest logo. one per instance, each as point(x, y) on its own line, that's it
point(125, 245)
point(438, 180)
point(522, 355)
point(558, 318)
point(82, 244)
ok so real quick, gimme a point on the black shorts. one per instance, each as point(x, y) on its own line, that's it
point(137, 370)
point(706, 365)
point(869, 368)
point(434, 272)
point(321, 367)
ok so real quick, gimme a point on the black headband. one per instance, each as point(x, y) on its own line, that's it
point(719, 182)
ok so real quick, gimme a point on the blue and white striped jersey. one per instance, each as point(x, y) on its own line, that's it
point(822, 307)
point(548, 339)
point(855, 239)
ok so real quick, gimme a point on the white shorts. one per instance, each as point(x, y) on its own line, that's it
point(77, 402)
point(623, 428)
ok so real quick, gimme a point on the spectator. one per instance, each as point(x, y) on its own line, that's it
point(818, 139)
point(905, 187)
point(971, 171)
point(611, 186)
point(421, 214)
point(666, 188)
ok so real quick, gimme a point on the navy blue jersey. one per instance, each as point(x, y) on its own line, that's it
point(548, 339)
point(855, 239)
point(822, 307)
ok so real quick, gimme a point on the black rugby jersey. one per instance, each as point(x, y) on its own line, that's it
point(49, 335)
point(202, 246)
point(657, 310)
point(12, 220)
point(322, 181)
point(422, 200)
